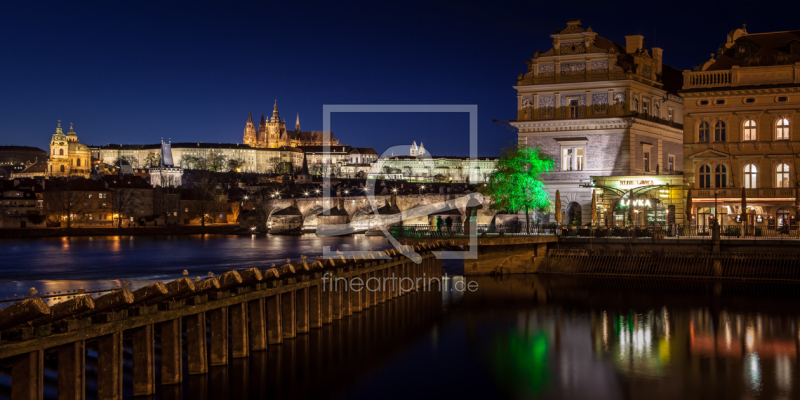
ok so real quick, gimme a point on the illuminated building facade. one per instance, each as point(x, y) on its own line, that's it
point(599, 109)
point(741, 130)
point(272, 133)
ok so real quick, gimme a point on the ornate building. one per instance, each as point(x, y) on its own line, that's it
point(68, 156)
point(166, 174)
point(740, 130)
point(272, 133)
point(417, 151)
point(600, 109)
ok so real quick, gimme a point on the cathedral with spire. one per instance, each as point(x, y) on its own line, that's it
point(272, 133)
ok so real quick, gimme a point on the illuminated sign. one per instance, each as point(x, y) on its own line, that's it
point(636, 183)
point(636, 203)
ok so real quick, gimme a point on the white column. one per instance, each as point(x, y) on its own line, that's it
point(574, 159)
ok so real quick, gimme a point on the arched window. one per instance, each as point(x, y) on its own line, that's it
point(721, 176)
point(656, 111)
point(635, 105)
point(719, 131)
point(782, 129)
point(782, 176)
point(61, 152)
point(749, 130)
point(750, 176)
point(705, 177)
point(574, 213)
point(78, 160)
point(702, 132)
point(62, 168)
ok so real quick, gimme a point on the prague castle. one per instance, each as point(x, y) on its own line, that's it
point(272, 133)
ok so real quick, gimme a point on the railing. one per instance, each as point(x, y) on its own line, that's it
point(685, 265)
point(672, 232)
point(737, 193)
point(588, 112)
point(425, 231)
point(201, 323)
point(703, 79)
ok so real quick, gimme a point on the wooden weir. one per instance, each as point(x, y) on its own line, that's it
point(217, 318)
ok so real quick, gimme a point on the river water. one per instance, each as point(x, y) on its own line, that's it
point(514, 337)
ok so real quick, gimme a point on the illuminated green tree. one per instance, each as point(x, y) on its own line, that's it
point(516, 185)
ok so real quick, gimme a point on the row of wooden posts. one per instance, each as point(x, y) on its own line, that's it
point(245, 311)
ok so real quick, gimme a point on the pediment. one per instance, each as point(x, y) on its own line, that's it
point(709, 153)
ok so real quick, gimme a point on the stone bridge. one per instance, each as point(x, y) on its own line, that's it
point(360, 211)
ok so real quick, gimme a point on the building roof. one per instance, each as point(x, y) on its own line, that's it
point(39, 167)
point(363, 150)
point(75, 184)
point(320, 149)
point(126, 182)
point(759, 49)
point(21, 148)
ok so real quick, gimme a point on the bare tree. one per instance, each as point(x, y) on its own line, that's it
point(166, 202)
point(152, 159)
point(65, 202)
point(208, 194)
point(123, 202)
point(235, 163)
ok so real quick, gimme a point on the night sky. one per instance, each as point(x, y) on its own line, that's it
point(134, 72)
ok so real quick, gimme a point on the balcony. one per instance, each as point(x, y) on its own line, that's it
point(588, 112)
point(783, 194)
point(742, 76)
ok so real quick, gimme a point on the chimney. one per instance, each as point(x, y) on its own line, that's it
point(633, 43)
point(658, 55)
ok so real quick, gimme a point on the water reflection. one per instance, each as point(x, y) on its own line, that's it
point(103, 262)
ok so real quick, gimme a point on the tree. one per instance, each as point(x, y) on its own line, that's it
point(126, 160)
point(235, 163)
point(215, 161)
point(65, 202)
point(236, 209)
point(207, 193)
point(166, 202)
point(516, 185)
point(123, 202)
point(152, 159)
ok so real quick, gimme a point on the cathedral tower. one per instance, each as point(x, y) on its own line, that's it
point(249, 131)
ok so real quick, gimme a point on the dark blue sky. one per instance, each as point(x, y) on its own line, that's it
point(133, 72)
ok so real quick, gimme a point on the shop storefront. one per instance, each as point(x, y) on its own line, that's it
point(772, 209)
point(639, 200)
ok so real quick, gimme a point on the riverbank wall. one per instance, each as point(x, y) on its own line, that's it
point(150, 230)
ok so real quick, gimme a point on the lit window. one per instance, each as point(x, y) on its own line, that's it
point(573, 108)
point(782, 131)
point(719, 131)
point(750, 176)
point(704, 177)
point(579, 159)
point(567, 165)
point(750, 130)
point(703, 132)
point(782, 176)
point(721, 176)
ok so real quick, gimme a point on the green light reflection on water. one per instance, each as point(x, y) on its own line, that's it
point(520, 363)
